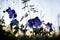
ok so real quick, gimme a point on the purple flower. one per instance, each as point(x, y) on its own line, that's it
point(15, 22)
point(35, 21)
point(49, 25)
point(12, 13)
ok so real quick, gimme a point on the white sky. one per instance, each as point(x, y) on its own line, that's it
point(48, 8)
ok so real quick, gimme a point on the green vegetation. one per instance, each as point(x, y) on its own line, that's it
point(8, 36)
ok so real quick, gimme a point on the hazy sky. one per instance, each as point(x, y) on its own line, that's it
point(49, 8)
